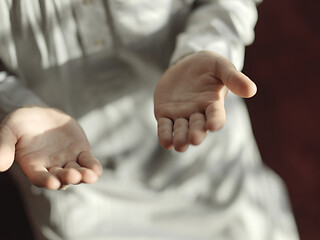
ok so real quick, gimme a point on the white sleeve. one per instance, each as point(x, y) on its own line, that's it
point(222, 26)
point(13, 93)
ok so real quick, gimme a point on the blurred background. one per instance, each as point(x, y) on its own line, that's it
point(284, 61)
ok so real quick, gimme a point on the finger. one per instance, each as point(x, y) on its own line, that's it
point(40, 177)
point(165, 132)
point(87, 160)
point(7, 147)
point(180, 134)
point(88, 176)
point(197, 129)
point(215, 115)
point(66, 176)
point(236, 82)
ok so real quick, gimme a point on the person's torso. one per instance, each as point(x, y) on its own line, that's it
point(80, 55)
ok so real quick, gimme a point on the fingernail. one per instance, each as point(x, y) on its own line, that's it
point(63, 187)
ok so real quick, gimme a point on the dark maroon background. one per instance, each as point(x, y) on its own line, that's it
point(284, 61)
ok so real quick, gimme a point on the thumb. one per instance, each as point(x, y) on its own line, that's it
point(234, 80)
point(7, 147)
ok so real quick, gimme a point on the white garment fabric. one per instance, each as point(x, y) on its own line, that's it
point(99, 61)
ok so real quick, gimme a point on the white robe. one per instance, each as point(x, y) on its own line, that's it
point(99, 62)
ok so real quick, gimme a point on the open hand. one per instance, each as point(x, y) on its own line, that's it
point(49, 146)
point(189, 98)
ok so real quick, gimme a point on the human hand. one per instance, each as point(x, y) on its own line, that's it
point(49, 146)
point(189, 98)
